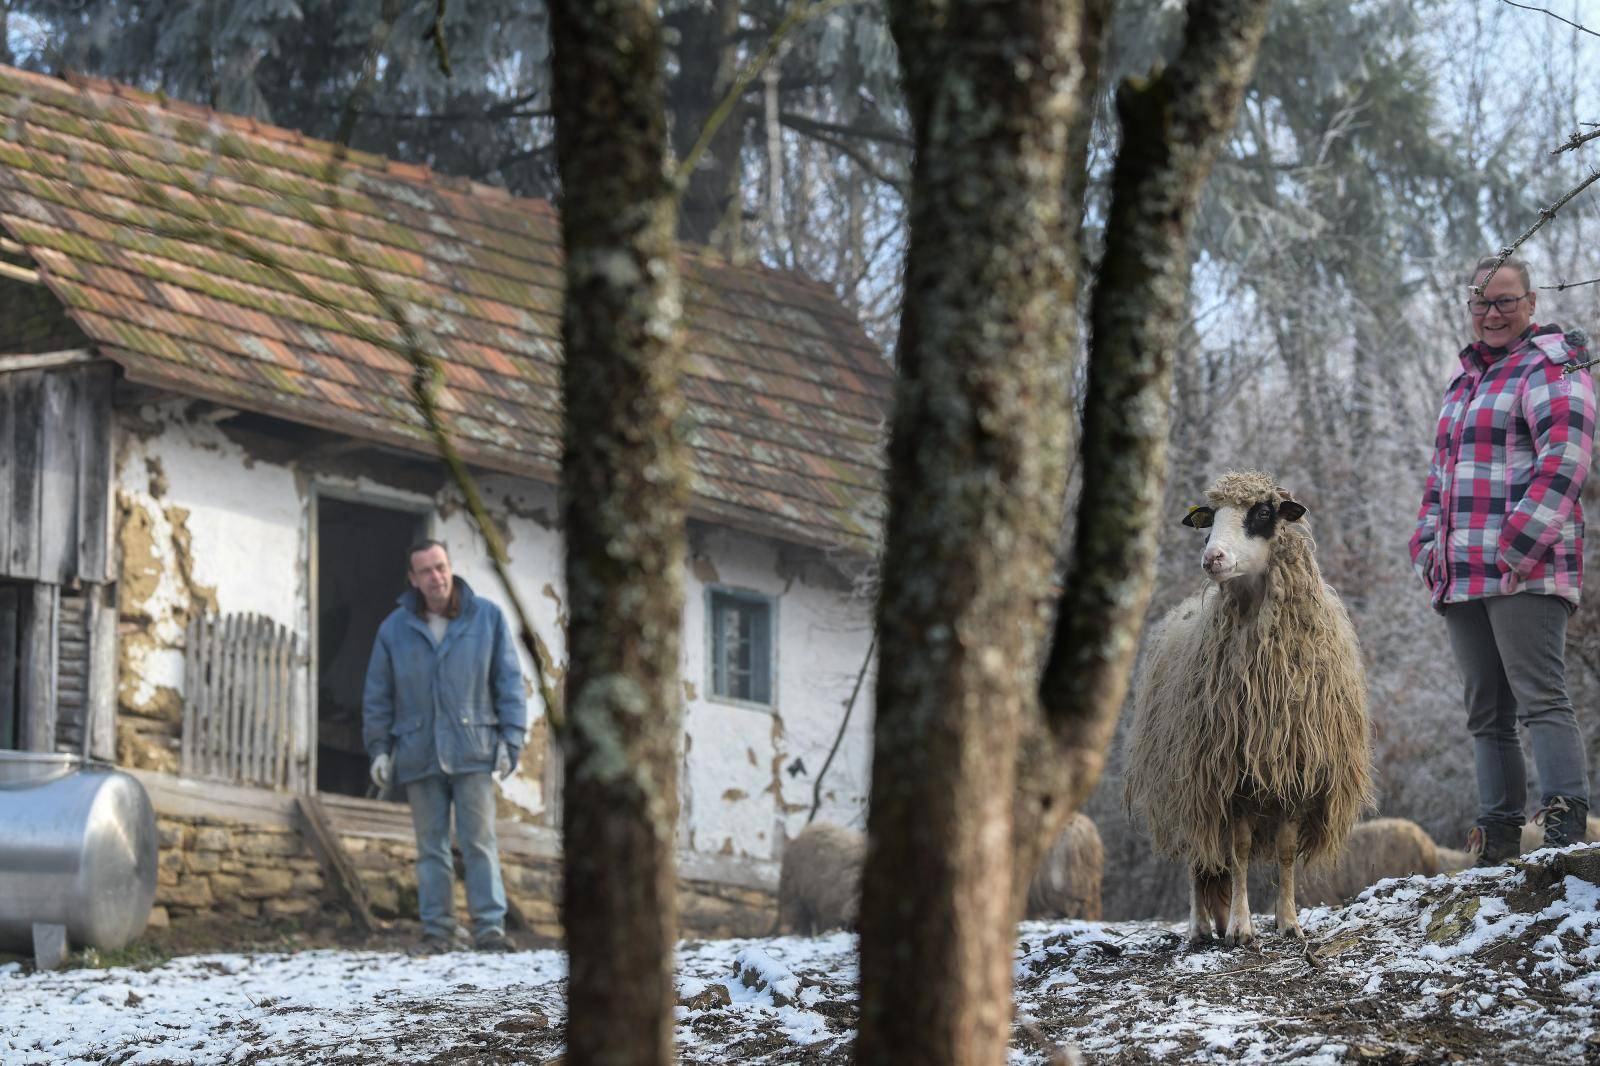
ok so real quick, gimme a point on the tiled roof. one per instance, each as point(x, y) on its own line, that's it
point(146, 217)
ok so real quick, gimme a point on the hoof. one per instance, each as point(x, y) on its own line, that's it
point(1241, 936)
point(1292, 930)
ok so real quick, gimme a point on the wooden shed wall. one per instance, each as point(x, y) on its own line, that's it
point(55, 473)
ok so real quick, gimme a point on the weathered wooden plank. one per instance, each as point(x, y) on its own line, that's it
point(8, 459)
point(191, 679)
point(185, 797)
point(102, 673)
point(230, 681)
point(335, 862)
point(58, 477)
point(25, 476)
point(280, 707)
point(94, 473)
point(211, 698)
point(260, 708)
point(10, 621)
point(38, 668)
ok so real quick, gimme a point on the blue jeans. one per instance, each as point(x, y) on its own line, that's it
point(1511, 651)
point(473, 797)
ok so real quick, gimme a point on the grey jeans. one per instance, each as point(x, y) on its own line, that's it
point(472, 796)
point(1511, 651)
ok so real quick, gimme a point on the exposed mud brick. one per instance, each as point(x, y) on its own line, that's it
point(262, 882)
point(307, 881)
point(224, 887)
point(202, 862)
point(159, 918)
point(291, 907)
point(213, 839)
point(192, 892)
point(173, 834)
point(269, 843)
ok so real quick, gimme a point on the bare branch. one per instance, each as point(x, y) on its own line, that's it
point(1578, 139)
point(807, 124)
point(860, 160)
point(849, 706)
point(1565, 285)
point(1545, 215)
point(1552, 14)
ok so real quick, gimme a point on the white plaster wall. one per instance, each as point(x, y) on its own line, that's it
point(740, 797)
point(245, 522)
point(249, 523)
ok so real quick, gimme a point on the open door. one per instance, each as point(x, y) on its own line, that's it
point(361, 569)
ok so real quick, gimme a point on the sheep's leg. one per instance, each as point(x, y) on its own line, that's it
point(1240, 931)
point(1206, 904)
point(1287, 845)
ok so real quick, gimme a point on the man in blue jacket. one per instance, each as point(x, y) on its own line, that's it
point(443, 707)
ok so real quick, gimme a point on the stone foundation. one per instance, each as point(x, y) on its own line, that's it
point(213, 866)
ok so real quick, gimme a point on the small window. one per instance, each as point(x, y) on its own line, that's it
point(741, 647)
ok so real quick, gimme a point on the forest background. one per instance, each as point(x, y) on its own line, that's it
point(1382, 146)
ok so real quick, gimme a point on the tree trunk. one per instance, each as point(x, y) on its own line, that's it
point(976, 486)
point(1172, 127)
point(707, 65)
point(624, 489)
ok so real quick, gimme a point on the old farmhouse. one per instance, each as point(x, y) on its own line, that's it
point(209, 474)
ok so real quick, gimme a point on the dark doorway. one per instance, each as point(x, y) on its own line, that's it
point(361, 563)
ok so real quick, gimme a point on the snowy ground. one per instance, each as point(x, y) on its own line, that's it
point(1485, 966)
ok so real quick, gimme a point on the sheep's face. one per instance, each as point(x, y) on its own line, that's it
point(1239, 538)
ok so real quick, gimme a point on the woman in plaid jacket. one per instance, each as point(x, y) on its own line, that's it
point(1499, 543)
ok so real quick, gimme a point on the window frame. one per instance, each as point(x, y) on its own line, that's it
point(716, 593)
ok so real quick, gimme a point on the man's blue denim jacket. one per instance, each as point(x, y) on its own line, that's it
point(441, 709)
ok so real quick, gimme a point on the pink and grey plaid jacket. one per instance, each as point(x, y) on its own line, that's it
point(1512, 449)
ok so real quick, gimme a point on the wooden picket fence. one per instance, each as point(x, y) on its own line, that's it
point(239, 695)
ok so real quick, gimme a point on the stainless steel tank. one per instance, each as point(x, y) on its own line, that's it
point(78, 848)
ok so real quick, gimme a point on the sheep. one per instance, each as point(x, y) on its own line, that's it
point(1250, 734)
point(1067, 883)
point(820, 879)
point(1383, 847)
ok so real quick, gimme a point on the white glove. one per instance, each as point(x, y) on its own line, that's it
point(502, 761)
point(380, 770)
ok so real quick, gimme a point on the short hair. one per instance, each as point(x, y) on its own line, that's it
point(1520, 266)
point(421, 546)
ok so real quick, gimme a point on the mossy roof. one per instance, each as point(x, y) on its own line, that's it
point(222, 258)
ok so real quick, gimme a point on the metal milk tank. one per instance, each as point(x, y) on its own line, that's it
point(78, 848)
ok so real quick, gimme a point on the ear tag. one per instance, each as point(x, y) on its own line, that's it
point(1199, 517)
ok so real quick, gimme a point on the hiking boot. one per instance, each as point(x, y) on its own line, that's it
point(493, 940)
point(1494, 843)
point(1564, 819)
point(439, 943)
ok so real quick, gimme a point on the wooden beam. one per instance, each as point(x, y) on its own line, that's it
point(335, 862)
point(46, 360)
point(18, 273)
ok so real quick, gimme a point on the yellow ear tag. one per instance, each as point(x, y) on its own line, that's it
point(1197, 516)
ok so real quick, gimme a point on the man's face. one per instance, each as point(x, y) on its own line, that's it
point(430, 575)
point(1493, 326)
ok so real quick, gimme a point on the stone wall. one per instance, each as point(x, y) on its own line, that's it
point(213, 866)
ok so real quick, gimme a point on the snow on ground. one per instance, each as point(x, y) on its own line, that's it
point(1482, 966)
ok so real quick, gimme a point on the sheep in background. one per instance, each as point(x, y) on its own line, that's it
point(1067, 883)
point(819, 883)
point(1383, 847)
point(1250, 733)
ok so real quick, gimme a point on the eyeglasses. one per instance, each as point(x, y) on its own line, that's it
point(1504, 304)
